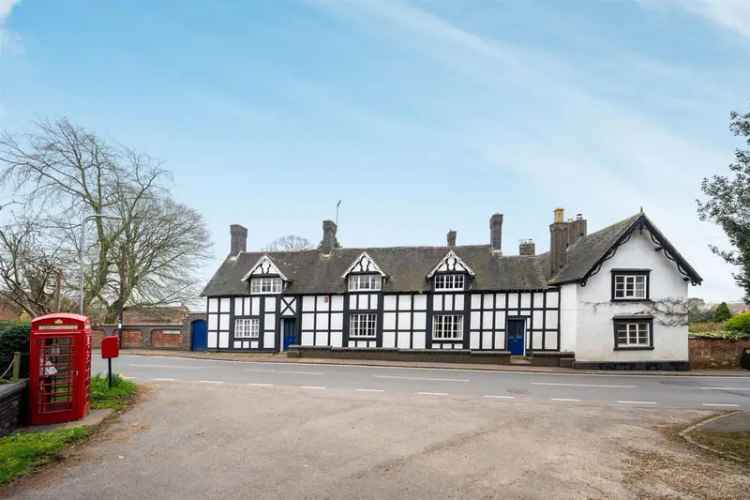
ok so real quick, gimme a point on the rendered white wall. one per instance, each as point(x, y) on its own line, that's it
point(668, 293)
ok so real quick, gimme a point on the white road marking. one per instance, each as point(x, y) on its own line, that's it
point(432, 393)
point(178, 367)
point(721, 405)
point(370, 390)
point(492, 396)
point(637, 402)
point(316, 387)
point(569, 400)
point(605, 386)
point(254, 384)
point(290, 372)
point(164, 379)
point(724, 388)
point(427, 379)
point(210, 382)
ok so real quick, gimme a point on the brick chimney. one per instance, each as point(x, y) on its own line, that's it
point(329, 242)
point(451, 238)
point(496, 233)
point(238, 240)
point(558, 246)
point(576, 229)
point(527, 248)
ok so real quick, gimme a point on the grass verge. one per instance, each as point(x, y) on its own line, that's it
point(117, 397)
point(22, 452)
point(734, 443)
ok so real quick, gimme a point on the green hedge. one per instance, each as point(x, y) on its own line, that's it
point(739, 323)
point(14, 337)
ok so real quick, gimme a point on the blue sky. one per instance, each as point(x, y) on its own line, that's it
point(421, 116)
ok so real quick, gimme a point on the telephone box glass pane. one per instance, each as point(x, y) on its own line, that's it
point(56, 375)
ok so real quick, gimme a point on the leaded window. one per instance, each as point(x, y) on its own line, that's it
point(448, 327)
point(246, 328)
point(631, 285)
point(265, 285)
point(633, 333)
point(365, 282)
point(363, 325)
point(449, 282)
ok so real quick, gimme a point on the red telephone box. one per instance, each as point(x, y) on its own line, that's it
point(59, 368)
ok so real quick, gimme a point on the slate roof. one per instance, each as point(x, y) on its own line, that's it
point(407, 267)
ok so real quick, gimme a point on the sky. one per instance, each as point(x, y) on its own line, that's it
point(420, 116)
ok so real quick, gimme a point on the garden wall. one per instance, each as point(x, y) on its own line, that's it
point(708, 352)
point(11, 406)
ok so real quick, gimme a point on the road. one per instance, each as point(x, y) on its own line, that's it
point(694, 392)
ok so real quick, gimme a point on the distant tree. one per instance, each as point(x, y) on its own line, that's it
point(289, 243)
point(722, 313)
point(728, 204)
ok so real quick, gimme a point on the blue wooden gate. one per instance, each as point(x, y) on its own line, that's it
point(515, 336)
point(199, 335)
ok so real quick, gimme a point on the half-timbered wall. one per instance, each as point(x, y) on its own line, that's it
point(219, 314)
point(405, 321)
point(449, 303)
point(322, 320)
point(489, 313)
point(363, 303)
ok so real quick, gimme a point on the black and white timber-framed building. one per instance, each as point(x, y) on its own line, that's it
point(597, 296)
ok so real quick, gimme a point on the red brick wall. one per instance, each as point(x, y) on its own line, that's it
point(132, 338)
point(96, 338)
point(716, 353)
point(160, 339)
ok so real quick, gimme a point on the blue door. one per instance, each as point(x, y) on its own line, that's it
point(199, 335)
point(515, 336)
point(290, 332)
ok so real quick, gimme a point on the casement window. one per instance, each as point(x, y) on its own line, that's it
point(449, 282)
point(630, 285)
point(246, 328)
point(634, 333)
point(448, 327)
point(265, 286)
point(363, 325)
point(365, 282)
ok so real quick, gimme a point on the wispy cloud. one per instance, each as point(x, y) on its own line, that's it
point(731, 14)
point(10, 42)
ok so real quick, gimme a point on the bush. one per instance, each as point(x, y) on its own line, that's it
point(14, 337)
point(722, 313)
point(698, 315)
point(739, 323)
point(705, 326)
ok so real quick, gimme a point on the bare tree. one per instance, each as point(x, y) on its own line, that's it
point(289, 243)
point(145, 248)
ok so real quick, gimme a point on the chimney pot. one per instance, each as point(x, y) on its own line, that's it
point(496, 232)
point(559, 215)
point(451, 238)
point(329, 242)
point(238, 238)
point(527, 248)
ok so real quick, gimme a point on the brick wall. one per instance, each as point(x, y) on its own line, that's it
point(716, 353)
point(11, 398)
point(132, 338)
point(166, 339)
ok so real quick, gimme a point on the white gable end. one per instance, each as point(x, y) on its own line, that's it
point(451, 263)
point(363, 264)
point(264, 267)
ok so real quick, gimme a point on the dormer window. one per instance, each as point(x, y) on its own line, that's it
point(365, 282)
point(265, 285)
point(449, 282)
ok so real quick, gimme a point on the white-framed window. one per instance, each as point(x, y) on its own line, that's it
point(630, 286)
point(631, 334)
point(448, 327)
point(449, 281)
point(246, 328)
point(365, 282)
point(265, 286)
point(363, 325)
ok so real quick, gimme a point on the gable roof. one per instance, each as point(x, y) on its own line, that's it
point(265, 267)
point(451, 263)
point(363, 264)
point(309, 271)
point(586, 256)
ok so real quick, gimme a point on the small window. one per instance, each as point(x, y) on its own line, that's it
point(363, 325)
point(449, 281)
point(448, 327)
point(265, 286)
point(246, 328)
point(365, 282)
point(633, 334)
point(630, 285)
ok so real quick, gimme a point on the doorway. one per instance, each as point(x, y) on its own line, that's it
point(516, 329)
point(199, 335)
point(289, 332)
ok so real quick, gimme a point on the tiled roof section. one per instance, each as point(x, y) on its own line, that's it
point(406, 269)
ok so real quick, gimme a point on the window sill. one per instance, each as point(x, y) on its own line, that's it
point(361, 338)
point(644, 348)
point(631, 300)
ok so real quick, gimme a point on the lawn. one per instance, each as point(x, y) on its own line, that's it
point(736, 443)
point(23, 452)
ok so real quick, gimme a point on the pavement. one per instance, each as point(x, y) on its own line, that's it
point(736, 422)
point(93, 419)
point(618, 389)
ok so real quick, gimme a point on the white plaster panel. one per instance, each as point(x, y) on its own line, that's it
point(458, 302)
point(499, 341)
point(336, 339)
point(246, 305)
point(389, 302)
point(538, 315)
point(525, 300)
point(213, 341)
point(213, 305)
point(499, 320)
point(213, 321)
point(437, 302)
point(353, 302)
point(420, 320)
point(389, 321)
point(536, 340)
point(337, 303)
point(404, 340)
point(307, 338)
point(323, 302)
point(476, 317)
point(476, 301)
point(321, 321)
point(418, 340)
point(512, 301)
point(321, 338)
point(404, 302)
point(245, 344)
point(373, 301)
point(223, 322)
point(487, 340)
point(474, 340)
point(269, 340)
point(308, 321)
point(238, 306)
point(270, 305)
point(500, 299)
point(448, 301)
point(223, 340)
point(225, 304)
point(237, 344)
point(551, 319)
point(389, 339)
point(538, 300)
point(269, 323)
point(308, 303)
point(489, 301)
point(568, 317)
point(337, 321)
point(256, 306)
point(404, 321)
point(551, 340)
point(254, 344)
point(420, 302)
point(487, 320)
point(552, 298)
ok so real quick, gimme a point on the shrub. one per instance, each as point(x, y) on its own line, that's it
point(739, 323)
point(722, 313)
point(14, 337)
point(699, 315)
point(705, 326)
